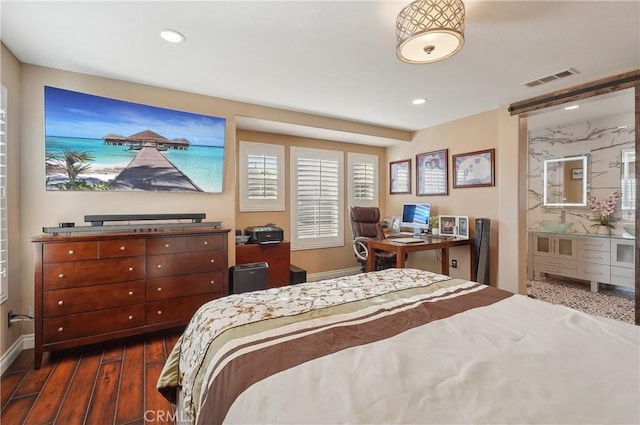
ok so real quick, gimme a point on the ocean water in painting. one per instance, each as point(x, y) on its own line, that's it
point(202, 164)
point(113, 132)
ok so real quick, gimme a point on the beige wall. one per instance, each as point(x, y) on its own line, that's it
point(504, 204)
point(10, 75)
point(313, 260)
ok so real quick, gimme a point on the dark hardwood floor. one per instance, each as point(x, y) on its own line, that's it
point(113, 383)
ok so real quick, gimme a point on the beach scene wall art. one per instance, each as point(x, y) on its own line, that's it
point(102, 144)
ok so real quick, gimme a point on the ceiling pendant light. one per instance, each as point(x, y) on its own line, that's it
point(430, 30)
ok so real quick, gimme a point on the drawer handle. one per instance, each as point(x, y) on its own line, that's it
point(213, 281)
point(60, 329)
point(130, 292)
point(60, 302)
point(159, 266)
point(159, 312)
point(213, 260)
point(130, 317)
point(130, 269)
point(61, 275)
point(166, 245)
point(206, 242)
point(122, 248)
point(159, 288)
point(71, 252)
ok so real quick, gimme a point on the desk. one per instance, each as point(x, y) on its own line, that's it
point(430, 242)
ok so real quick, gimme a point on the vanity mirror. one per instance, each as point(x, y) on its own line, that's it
point(564, 182)
point(628, 180)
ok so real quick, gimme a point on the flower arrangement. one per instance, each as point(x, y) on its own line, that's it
point(604, 209)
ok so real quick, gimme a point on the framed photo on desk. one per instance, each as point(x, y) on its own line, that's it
point(463, 226)
point(448, 225)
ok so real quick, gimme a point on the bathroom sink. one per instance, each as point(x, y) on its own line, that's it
point(630, 229)
point(555, 226)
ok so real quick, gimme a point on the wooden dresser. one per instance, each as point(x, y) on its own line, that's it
point(100, 286)
point(278, 256)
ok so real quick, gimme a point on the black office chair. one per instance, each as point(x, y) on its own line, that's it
point(365, 225)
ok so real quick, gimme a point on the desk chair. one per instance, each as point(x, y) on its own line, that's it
point(365, 225)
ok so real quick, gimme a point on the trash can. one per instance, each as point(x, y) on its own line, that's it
point(248, 277)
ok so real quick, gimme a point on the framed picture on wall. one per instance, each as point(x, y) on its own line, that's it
point(432, 170)
point(448, 225)
point(474, 169)
point(463, 226)
point(400, 177)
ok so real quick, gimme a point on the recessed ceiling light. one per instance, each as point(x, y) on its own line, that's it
point(418, 101)
point(172, 36)
point(568, 108)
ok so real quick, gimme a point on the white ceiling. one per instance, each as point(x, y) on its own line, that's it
point(329, 58)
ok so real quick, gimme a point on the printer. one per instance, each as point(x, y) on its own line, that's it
point(267, 234)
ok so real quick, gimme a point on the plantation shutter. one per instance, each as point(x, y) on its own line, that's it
point(3, 196)
point(317, 198)
point(261, 177)
point(363, 180)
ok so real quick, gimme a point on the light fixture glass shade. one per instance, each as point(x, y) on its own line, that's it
point(430, 30)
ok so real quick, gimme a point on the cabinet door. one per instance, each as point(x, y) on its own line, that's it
point(565, 247)
point(623, 253)
point(543, 245)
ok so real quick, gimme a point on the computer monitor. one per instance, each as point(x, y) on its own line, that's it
point(416, 216)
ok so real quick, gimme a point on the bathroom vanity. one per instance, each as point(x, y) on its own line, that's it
point(595, 258)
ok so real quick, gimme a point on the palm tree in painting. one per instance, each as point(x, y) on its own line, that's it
point(72, 163)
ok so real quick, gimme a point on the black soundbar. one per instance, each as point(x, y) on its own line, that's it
point(98, 220)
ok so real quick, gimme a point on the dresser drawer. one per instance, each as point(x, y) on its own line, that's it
point(624, 272)
point(121, 248)
point(629, 282)
point(174, 244)
point(184, 263)
point(179, 286)
point(178, 309)
point(555, 269)
point(85, 273)
point(70, 251)
point(554, 262)
point(89, 298)
point(596, 257)
point(594, 272)
point(80, 325)
point(594, 244)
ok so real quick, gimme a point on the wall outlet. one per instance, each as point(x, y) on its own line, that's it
point(31, 311)
point(454, 264)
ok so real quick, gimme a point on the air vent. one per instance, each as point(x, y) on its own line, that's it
point(552, 77)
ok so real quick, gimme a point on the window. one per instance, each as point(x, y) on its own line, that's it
point(3, 196)
point(363, 179)
point(317, 204)
point(261, 177)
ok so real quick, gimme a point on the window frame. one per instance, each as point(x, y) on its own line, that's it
point(247, 148)
point(296, 153)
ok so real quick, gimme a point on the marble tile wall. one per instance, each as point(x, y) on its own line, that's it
point(603, 139)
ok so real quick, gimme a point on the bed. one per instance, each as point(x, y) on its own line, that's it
point(401, 346)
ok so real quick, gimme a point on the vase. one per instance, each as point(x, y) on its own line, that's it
point(435, 231)
point(604, 230)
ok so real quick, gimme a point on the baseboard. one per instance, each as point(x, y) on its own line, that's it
point(331, 274)
point(22, 343)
